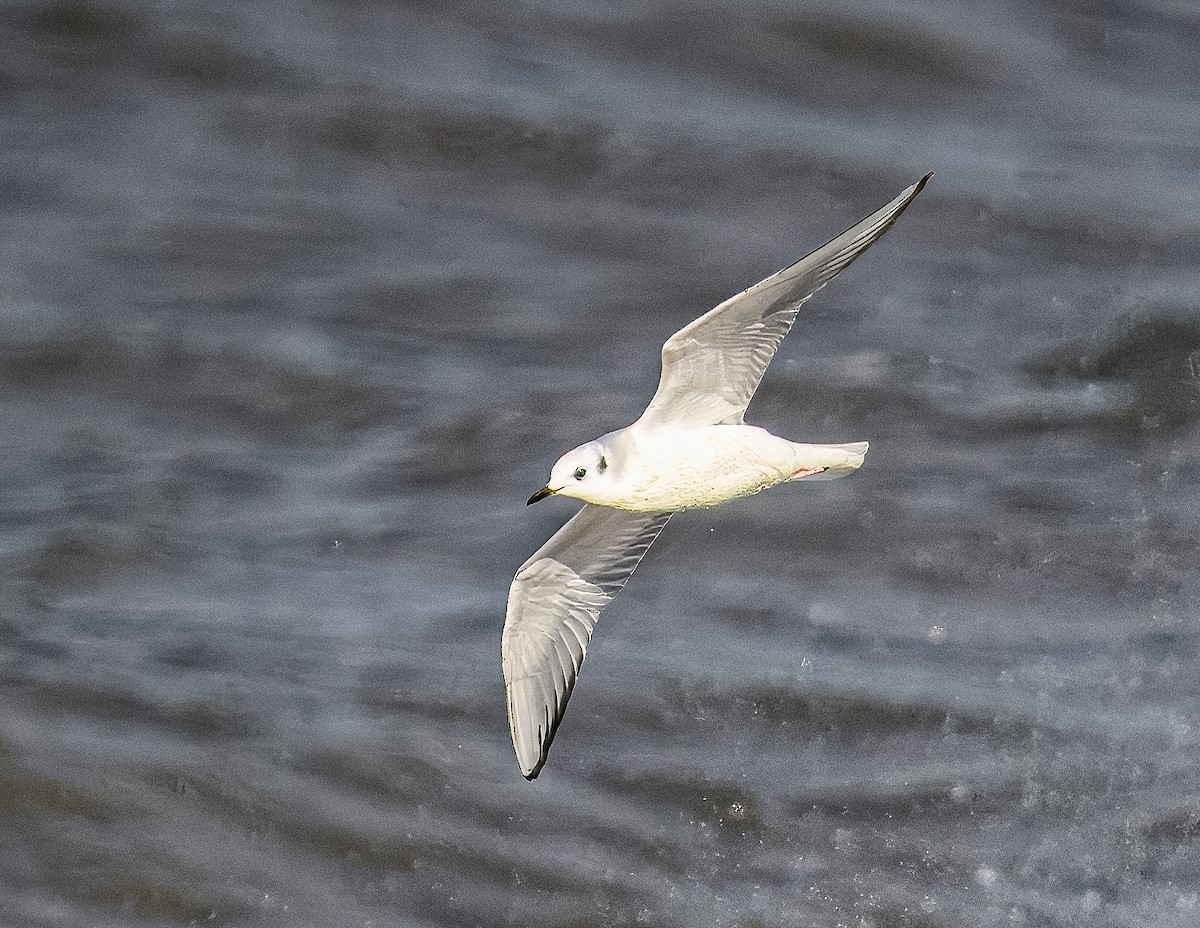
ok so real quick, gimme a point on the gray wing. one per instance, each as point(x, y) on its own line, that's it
point(712, 366)
point(553, 605)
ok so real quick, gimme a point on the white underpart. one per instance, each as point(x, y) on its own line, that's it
point(707, 466)
point(689, 449)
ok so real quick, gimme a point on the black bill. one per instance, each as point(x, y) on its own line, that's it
point(540, 494)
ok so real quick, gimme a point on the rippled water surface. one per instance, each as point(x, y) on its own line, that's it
point(299, 301)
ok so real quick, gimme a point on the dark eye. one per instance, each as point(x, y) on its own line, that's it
point(580, 473)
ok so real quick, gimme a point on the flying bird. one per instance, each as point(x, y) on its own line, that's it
point(690, 449)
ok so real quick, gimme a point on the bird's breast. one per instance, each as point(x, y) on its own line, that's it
point(704, 467)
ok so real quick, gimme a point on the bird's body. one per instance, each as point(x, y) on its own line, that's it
point(706, 466)
point(690, 449)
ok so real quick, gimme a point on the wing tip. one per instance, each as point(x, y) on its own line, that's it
point(893, 211)
point(530, 771)
point(532, 754)
point(902, 202)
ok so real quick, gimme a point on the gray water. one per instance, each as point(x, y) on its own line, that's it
point(300, 300)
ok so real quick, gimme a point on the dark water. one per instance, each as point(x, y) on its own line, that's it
point(300, 300)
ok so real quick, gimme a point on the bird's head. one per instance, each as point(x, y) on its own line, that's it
point(584, 473)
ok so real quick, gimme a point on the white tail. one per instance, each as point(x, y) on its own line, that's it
point(835, 460)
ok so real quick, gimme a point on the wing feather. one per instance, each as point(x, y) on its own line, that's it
point(553, 604)
point(712, 366)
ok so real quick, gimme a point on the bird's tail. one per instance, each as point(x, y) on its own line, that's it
point(828, 462)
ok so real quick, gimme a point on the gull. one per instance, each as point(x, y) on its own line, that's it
point(690, 449)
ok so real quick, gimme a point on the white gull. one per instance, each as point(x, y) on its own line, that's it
point(690, 449)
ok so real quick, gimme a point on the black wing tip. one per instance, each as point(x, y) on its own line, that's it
point(903, 205)
point(541, 761)
point(552, 723)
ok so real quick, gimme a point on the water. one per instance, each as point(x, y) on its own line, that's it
point(299, 302)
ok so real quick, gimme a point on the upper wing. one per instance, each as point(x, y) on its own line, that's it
point(712, 366)
point(553, 605)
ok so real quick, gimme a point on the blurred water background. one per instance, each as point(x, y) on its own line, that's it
point(299, 300)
